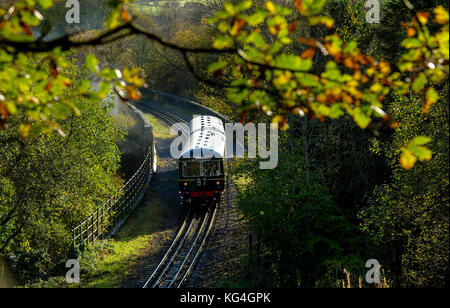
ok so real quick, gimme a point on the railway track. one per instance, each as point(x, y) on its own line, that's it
point(181, 258)
point(167, 117)
point(219, 239)
point(183, 255)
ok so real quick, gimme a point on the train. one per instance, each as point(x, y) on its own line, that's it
point(201, 165)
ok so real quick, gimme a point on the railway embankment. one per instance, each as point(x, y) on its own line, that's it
point(227, 238)
point(133, 253)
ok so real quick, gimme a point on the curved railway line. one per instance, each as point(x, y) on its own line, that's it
point(181, 258)
point(183, 255)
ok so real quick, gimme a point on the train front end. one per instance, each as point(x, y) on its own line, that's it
point(201, 173)
point(201, 182)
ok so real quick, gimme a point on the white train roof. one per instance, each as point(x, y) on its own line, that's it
point(206, 122)
point(206, 140)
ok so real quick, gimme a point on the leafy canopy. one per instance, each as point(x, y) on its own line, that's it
point(38, 88)
point(266, 76)
point(270, 79)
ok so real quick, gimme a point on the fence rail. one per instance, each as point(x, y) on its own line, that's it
point(106, 216)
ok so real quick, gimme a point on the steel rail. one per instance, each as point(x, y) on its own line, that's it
point(199, 251)
point(177, 258)
point(168, 253)
point(200, 235)
point(173, 255)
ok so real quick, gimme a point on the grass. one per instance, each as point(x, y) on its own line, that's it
point(114, 259)
point(124, 121)
point(108, 262)
point(160, 129)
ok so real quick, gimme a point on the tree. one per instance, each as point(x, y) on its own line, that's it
point(270, 80)
point(50, 183)
point(302, 233)
point(408, 218)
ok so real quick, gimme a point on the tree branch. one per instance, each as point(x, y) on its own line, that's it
point(67, 42)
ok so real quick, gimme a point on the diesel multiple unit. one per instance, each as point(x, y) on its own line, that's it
point(201, 164)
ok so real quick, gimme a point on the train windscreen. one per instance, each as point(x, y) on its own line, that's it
point(205, 168)
point(211, 168)
point(191, 169)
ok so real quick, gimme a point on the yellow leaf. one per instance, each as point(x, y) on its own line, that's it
point(407, 159)
point(281, 120)
point(25, 130)
point(271, 7)
point(441, 15)
point(299, 5)
point(385, 67)
point(423, 17)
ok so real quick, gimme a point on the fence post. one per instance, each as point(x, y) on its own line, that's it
point(102, 219)
point(97, 225)
point(87, 231)
point(92, 230)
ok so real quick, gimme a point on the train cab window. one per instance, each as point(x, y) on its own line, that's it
point(191, 169)
point(211, 168)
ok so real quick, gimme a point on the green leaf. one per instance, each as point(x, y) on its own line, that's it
point(405, 66)
point(5, 57)
point(229, 7)
point(213, 67)
point(104, 90)
point(292, 62)
point(419, 82)
point(92, 63)
point(237, 95)
point(223, 26)
point(258, 17)
point(420, 140)
point(222, 42)
point(336, 111)
point(431, 96)
point(257, 40)
point(324, 20)
point(411, 43)
point(113, 19)
point(84, 87)
point(11, 107)
point(30, 19)
point(307, 80)
point(422, 153)
point(351, 47)
point(313, 6)
point(244, 5)
point(414, 150)
point(361, 118)
point(45, 4)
